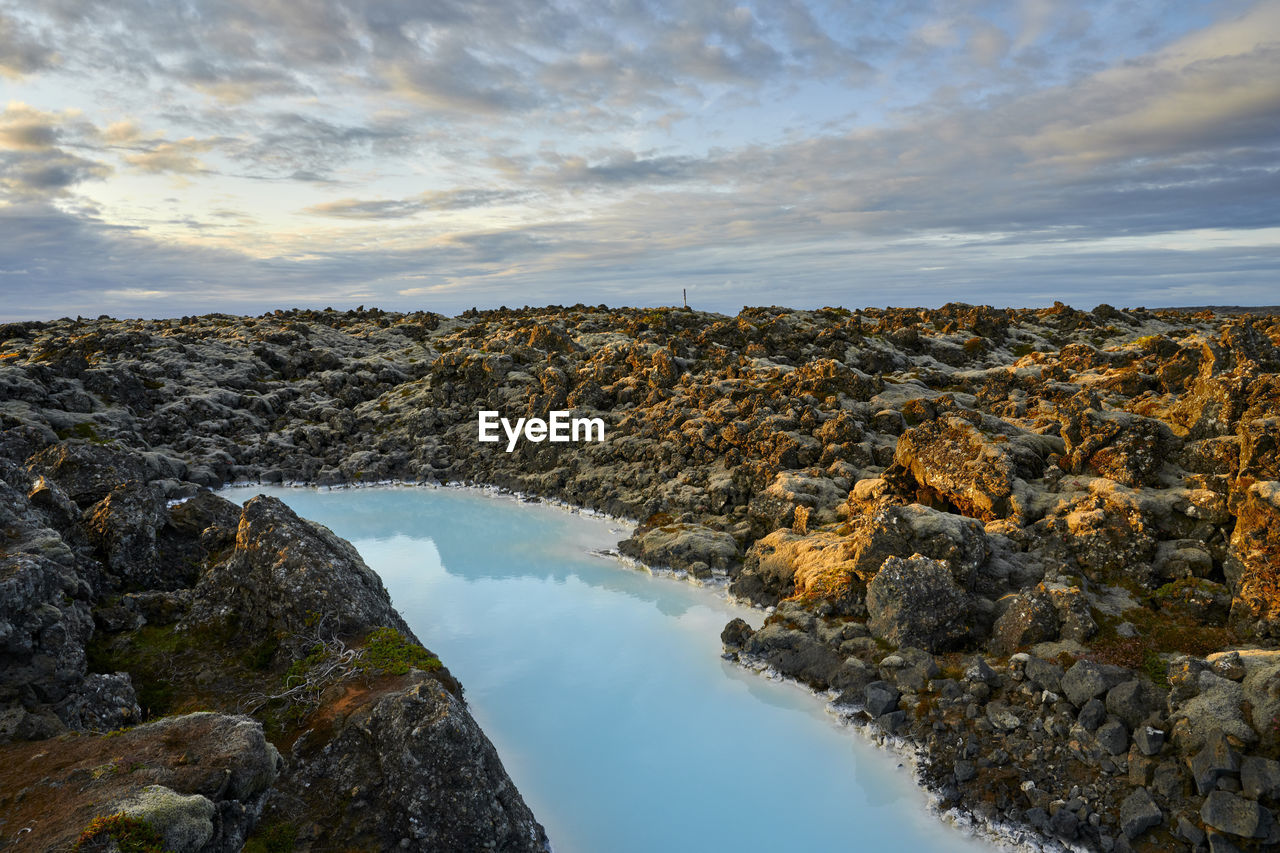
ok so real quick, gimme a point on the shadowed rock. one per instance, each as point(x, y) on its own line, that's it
point(915, 602)
point(292, 580)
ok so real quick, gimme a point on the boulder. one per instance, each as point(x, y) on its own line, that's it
point(184, 822)
point(735, 633)
point(1148, 739)
point(1235, 815)
point(1043, 674)
point(206, 515)
point(1261, 691)
point(122, 529)
point(200, 780)
point(680, 546)
point(881, 697)
point(1216, 708)
point(837, 564)
point(87, 472)
point(436, 779)
point(817, 565)
point(1121, 446)
point(1110, 532)
point(1092, 715)
point(953, 463)
point(291, 580)
point(1074, 616)
point(795, 653)
point(916, 602)
point(1087, 680)
point(1029, 619)
point(775, 506)
point(1113, 737)
point(1215, 760)
point(45, 622)
point(1260, 778)
point(1134, 700)
point(1139, 812)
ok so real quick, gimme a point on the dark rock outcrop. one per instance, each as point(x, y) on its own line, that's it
point(916, 602)
point(425, 777)
point(291, 580)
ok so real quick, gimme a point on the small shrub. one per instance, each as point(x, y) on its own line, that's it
point(130, 834)
point(298, 670)
point(388, 650)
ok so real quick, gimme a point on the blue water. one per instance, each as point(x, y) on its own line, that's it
point(603, 688)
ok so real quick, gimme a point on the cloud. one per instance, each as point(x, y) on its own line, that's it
point(33, 161)
point(123, 132)
point(310, 147)
point(237, 83)
point(401, 208)
point(1214, 89)
point(618, 168)
point(23, 128)
point(21, 53)
point(45, 174)
point(178, 157)
point(350, 208)
point(619, 148)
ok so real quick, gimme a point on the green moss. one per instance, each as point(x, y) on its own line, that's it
point(388, 650)
point(1156, 667)
point(274, 838)
point(1022, 349)
point(84, 429)
point(149, 655)
point(130, 834)
point(1148, 342)
point(1158, 633)
point(260, 656)
point(1175, 589)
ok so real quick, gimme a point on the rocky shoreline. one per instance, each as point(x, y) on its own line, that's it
point(1039, 546)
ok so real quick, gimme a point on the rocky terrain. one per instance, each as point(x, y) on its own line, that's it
point(1041, 547)
point(207, 677)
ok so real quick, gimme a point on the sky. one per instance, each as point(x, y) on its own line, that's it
point(167, 158)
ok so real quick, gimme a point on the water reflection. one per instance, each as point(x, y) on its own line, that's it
point(527, 540)
point(604, 691)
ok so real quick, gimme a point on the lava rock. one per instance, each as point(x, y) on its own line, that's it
point(881, 698)
point(1214, 760)
point(1149, 740)
point(1260, 778)
point(1235, 815)
point(1139, 812)
point(1113, 737)
point(916, 602)
point(736, 633)
point(1087, 680)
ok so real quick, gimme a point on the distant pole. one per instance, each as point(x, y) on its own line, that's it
point(684, 294)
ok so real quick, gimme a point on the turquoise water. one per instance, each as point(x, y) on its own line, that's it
point(603, 688)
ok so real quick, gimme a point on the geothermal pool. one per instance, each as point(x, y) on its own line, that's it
point(603, 689)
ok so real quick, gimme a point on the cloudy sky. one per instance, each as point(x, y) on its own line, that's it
point(164, 158)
